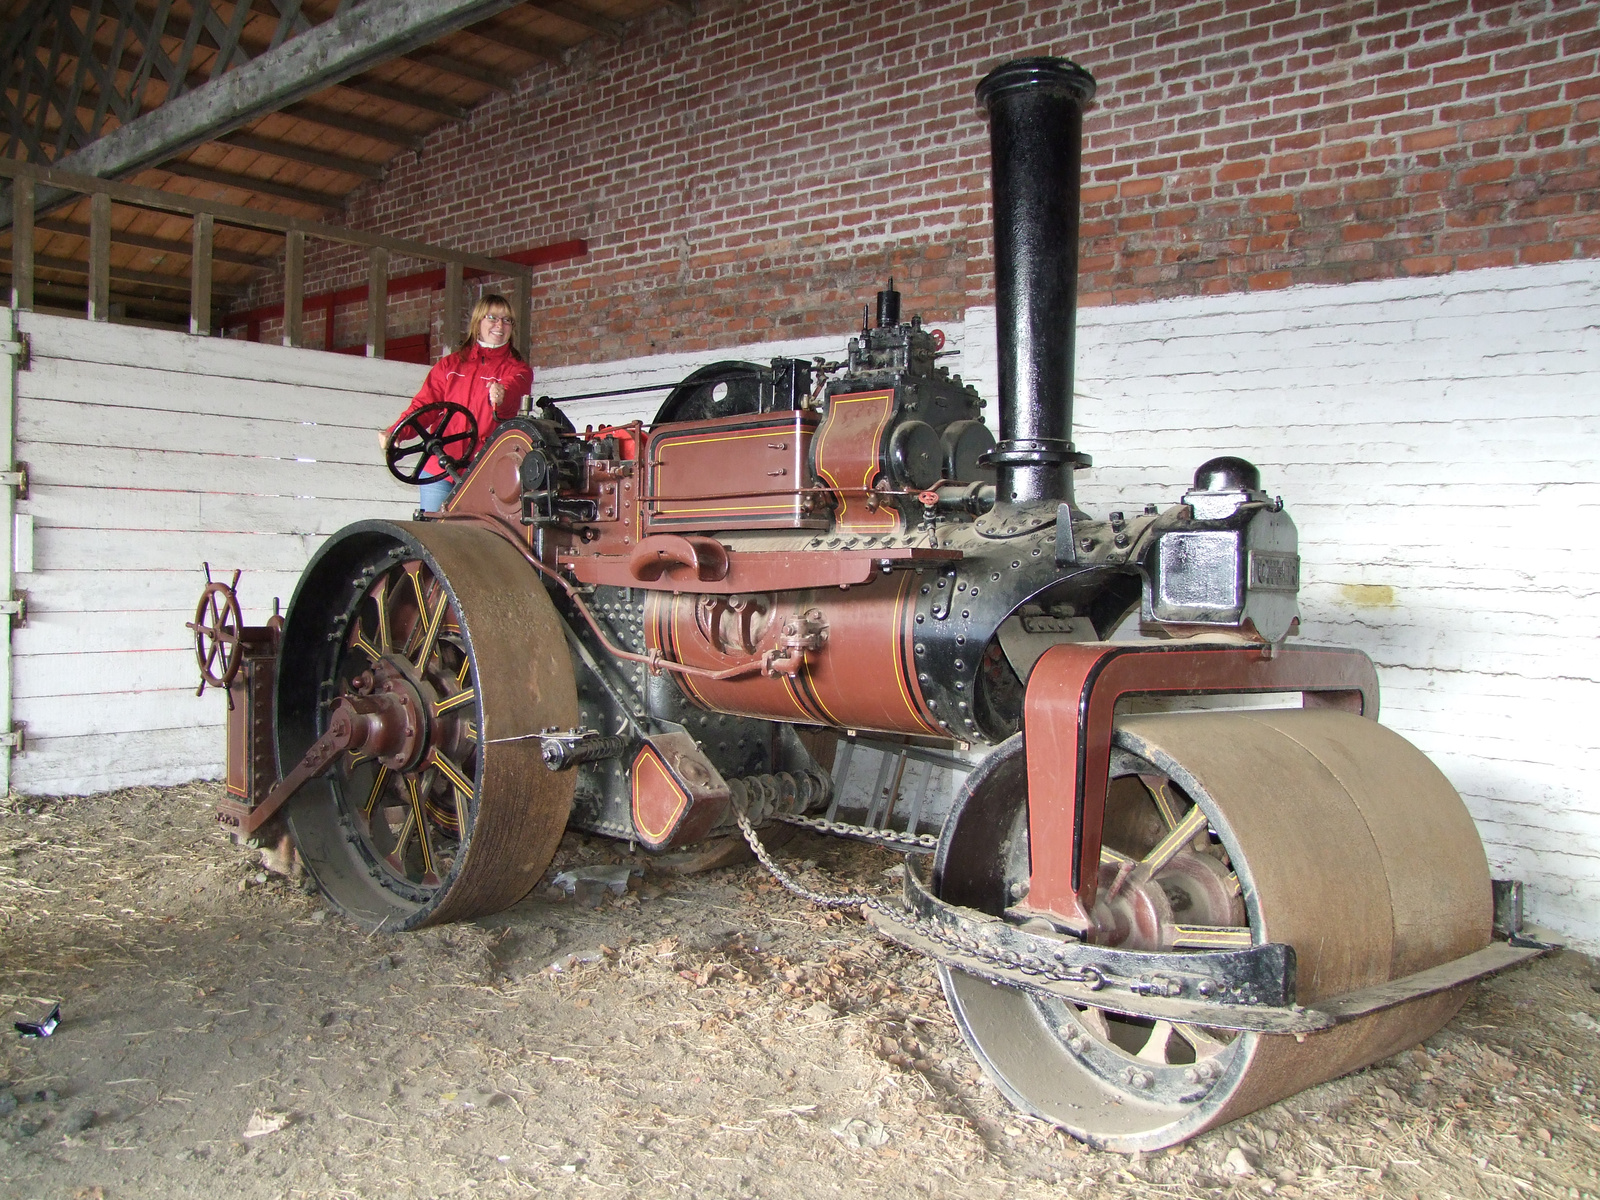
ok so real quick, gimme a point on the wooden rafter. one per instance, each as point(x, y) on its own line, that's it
point(332, 118)
point(410, 97)
point(145, 21)
point(311, 157)
point(503, 33)
point(249, 183)
point(461, 69)
point(324, 55)
point(578, 14)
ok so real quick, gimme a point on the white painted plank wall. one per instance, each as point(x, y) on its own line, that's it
point(151, 452)
point(1438, 443)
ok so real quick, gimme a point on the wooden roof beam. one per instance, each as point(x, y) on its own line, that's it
point(176, 27)
point(331, 118)
point(462, 69)
point(578, 14)
point(144, 241)
point(504, 33)
point(294, 152)
point(249, 183)
point(379, 89)
point(346, 45)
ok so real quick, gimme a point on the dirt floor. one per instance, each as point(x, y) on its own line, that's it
point(222, 1034)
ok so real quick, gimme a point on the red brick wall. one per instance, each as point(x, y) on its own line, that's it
point(758, 172)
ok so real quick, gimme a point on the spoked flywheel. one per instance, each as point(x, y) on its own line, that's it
point(1310, 827)
point(444, 641)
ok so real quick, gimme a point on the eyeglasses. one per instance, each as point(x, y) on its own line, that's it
point(497, 320)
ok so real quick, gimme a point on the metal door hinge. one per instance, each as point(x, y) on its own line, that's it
point(17, 477)
point(16, 741)
point(16, 608)
point(21, 350)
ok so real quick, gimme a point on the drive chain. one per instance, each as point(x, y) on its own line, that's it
point(910, 843)
point(957, 946)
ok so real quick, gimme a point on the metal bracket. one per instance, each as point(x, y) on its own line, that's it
point(15, 742)
point(16, 608)
point(21, 350)
point(17, 477)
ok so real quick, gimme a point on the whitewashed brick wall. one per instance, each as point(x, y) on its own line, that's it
point(1438, 442)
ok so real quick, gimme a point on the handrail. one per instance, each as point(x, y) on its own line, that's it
point(250, 218)
point(207, 214)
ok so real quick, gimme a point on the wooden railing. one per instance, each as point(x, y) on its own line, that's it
point(207, 215)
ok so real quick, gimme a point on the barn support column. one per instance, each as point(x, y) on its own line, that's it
point(13, 482)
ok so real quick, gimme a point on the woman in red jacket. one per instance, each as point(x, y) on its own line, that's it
point(485, 375)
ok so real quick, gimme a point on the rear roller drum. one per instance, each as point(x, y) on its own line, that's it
point(1311, 827)
point(456, 815)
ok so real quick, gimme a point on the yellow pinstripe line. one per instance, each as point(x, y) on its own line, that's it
point(671, 440)
point(453, 773)
point(900, 672)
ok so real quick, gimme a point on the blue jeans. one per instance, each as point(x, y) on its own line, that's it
point(433, 495)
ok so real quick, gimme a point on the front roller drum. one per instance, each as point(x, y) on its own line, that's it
point(458, 816)
point(1311, 827)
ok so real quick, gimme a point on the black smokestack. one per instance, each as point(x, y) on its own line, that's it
point(1035, 130)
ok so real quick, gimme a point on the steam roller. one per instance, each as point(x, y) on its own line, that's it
point(1158, 899)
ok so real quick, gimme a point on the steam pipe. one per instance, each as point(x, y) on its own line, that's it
point(1035, 131)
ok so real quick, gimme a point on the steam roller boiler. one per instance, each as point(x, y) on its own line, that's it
point(1150, 916)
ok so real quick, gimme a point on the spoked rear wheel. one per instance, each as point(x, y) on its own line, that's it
point(1311, 827)
point(461, 817)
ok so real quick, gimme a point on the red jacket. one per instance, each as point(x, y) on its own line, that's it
point(463, 379)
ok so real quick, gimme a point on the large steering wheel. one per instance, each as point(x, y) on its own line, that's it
point(418, 438)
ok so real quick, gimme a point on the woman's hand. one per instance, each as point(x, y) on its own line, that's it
point(383, 440)
point(497, 393)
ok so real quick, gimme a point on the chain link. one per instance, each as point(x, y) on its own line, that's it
point(788, 881)
point(911, 843)
point(956, 944)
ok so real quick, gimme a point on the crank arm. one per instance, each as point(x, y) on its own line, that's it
point(324, 751)
point(356, 723)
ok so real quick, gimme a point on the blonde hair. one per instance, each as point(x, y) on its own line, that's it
point(480, 310)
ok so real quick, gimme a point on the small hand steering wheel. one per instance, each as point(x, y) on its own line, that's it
point(420, 437)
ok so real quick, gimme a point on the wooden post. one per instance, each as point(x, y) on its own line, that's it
point(524, 312)
point(22, 245)
point(100, 257)
point(294, 288)
point(450, 331)
point(377, 300)
point(200, 277)
point(9, 332)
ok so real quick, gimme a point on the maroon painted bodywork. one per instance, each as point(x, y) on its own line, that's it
point(1071, 704)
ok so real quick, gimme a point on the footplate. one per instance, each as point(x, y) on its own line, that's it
point(1250, 990)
